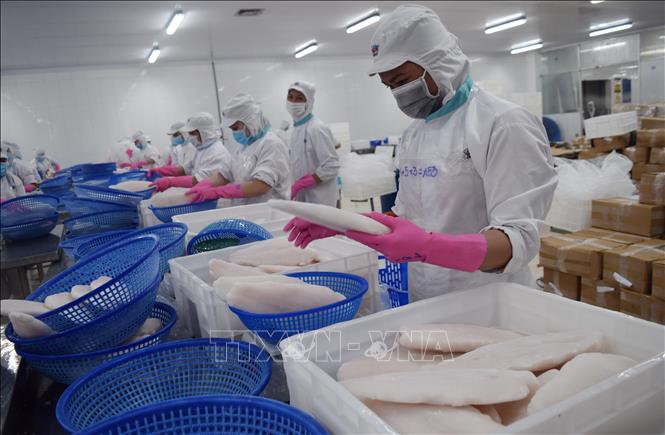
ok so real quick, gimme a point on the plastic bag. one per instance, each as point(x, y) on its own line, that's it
point(366, 176)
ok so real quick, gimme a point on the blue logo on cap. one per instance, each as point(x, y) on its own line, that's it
point(375, 50)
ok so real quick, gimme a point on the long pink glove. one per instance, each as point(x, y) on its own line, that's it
point(129, 152)
point(165, 171)
point(304, 232)
point(409, 242)
point(138, 165)
point(124, 165)
point(169, 161)
point(208, 193)
point(165, 182)
point(28, 188)
point(304, 182)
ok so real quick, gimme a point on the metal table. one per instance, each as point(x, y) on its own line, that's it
point(16, 257)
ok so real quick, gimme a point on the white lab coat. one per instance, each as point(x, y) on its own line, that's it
point(25, 172)
point(265, 160)
point(147, 153)
point(313, 152)
point(209, 160)
point(181, 154)
point(11, 186)
point(485, 165)
point(45, 168)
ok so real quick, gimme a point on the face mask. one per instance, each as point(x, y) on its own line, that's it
point(3, 168)
point(177, 140)
point(241, 138)
point(415, 100)
point(194, 140)
point(41, 158)
point(140, 145)
point(296, 110)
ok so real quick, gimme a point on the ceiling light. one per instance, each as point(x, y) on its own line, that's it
point(505, 23)
point(661, 37)
point(613, 26)
point(595, 2)
point(306, 49)
point(652, 52)
point(364, 21)
point(175, 21)
point(154, 53)
point(526, 46)
point(249, 12)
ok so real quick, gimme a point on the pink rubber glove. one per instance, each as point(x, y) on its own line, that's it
point(409, 242)
point(169, 161)
point(209, 193)
point(28, 188)
point(304, 232)
point(57, 167)
point(304, 182)
point(138, 165)
point(165, 182)
point(129, 152)
point(165, 171)
point(124, 165)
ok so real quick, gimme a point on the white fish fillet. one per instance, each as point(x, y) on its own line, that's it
point(544, 378)
point(533, 352)
point(95, 284)
point(33, 308)
point(276, 252)
point(452, 387)
point(432, 419)
point(171, 197)
point(578, 374)
point(132, 186)
point(150, 326)
point(490, 411)
point(224, 284)
point(510, 412)
point(26, 326)
point(136, 337)
point(219, 268)
point(57, 300)
point(80, 290)
point(275, 268)
point(452, 337)
point(262, 297)
point(401, 360)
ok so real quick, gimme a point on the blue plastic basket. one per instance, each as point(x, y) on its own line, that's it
point(31, 229)
point(78, 206)
point(225, 233)
point(128, 176)
point(106, 194)
point(395, 276)
point(97, 241)
point(68, 368)
point(90, 171)
point(27, 208)
point(165, 214)
point(57, 186)
point(274, 327)
point(69, 245)
point(171, 242)
point(106, 316)
point(176, 370)
point(109, 220)
point(212, 415)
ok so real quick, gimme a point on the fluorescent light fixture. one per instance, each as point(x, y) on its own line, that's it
point(526, 46)
point(610, 24)
point(652, 52)
point(175, 21)
point(505, 23)
point(306, 49)
point(611, 27)
point(661, 37)
point(595, 2)
point(154, 53)
point(364, 21)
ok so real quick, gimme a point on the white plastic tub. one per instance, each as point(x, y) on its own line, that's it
point(631, 402)
point(260, 214)
point(610, 125)
point(205, 315)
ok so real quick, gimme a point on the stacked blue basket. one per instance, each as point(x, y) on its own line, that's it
point(105, 316)
point(164, 214)
point(92, 171)
point(128, 176)
point(28, 217)
point(212, 415)
point(60, 186)
point(78, 206)
point(395, 276)
point(92, 223)
point(69, 245)
point(105, 194)
point(274, 327)
point(225, 233)
point(176, 370)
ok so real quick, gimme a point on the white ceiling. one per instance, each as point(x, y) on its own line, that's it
point(76, 33)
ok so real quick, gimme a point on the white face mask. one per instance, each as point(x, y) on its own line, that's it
point(414, 99)
point(296, 110)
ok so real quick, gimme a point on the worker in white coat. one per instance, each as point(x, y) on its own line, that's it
point(11, 185)
point(144, 156)
point(261, 165)
point(314, 161)
point(210, 157)
point(44, 165)
point(180, 150)
point(24, 171)
point(476, 174)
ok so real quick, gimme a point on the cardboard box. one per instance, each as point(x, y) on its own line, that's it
point(658, 279)
point(636, 155)
point(599, 293)
point(654, 138)
point(614, 236)
point(643, 306)
point(607, 144)
point(652, 188)
point(642, 168)
point(577, 255)
point(590, 154)
point(656, 156)
point(649, 123)
point(633, 265)
point(628, 216)
point(561, 283)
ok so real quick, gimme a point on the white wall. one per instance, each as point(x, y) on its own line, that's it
point(78, 115)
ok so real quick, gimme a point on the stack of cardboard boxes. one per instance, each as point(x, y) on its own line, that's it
point(648, 154)
point(618, 265)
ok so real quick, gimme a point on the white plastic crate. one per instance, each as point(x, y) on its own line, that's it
point(260, 214)
point(205, 315)
point(148, 218)
point(631, 402)
point(610, 125)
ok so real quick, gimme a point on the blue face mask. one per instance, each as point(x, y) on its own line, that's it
point(241, 138)
point(41, 158)
point(3, 168)
point(179, 140)
point(140, 145)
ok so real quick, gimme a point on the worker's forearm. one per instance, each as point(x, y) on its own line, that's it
point(499, 250)
point(254, 188)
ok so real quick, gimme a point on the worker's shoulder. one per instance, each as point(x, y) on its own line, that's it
point(502, 111)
